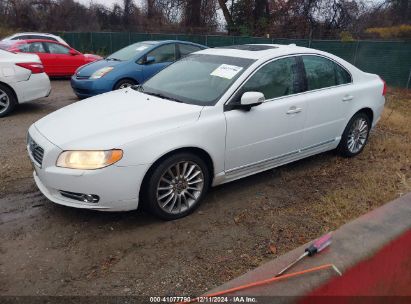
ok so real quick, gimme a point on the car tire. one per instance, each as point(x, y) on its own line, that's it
point(355, 135)
point(176, 186)
point(124, 83)
point(8, 100)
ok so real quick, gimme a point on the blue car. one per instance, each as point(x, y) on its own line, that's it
point(129, 66)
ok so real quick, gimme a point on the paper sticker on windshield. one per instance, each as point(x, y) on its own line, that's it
point(141, 48)
point(226, 71)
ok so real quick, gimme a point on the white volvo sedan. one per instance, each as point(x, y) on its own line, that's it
point(213, 117)
point(22, 79)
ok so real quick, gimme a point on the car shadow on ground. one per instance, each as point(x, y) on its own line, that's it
point(220, 197)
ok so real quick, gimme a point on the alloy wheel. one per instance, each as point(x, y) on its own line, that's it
point(180, 187)
point(357, 135)
point(125, 85)
point(4, 101)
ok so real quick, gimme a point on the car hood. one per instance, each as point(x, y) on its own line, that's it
point(88, 69)
point(113, 120)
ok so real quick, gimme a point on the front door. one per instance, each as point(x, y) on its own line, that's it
point(271, 132)
point(62, 62)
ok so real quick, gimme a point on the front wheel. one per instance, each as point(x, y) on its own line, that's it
point(355, 135)
point(125, 83)
point(176, 186)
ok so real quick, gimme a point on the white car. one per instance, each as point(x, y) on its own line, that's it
point(27, 36)
point(22, 79)
point(213, 117)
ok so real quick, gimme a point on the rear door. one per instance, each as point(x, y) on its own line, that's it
point(328, 96)
point(40, 50)
point(163, 56)
point(62, 62)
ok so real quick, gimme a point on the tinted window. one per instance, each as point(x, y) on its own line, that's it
point(186, 49)
point(322, 73)
point(342, 75)
point(24, 37)
point(42, 37)
point(165, 53)
point(57, 48)
point(275, 79)
point(35, 47)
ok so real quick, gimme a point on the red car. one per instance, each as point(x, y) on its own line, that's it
point(58, 59)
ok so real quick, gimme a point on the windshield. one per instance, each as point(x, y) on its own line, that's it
point(129, 52)
point(197, 79)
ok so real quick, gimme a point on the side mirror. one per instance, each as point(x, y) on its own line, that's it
point(251, 99)
point(150, 60)
point(73, 52)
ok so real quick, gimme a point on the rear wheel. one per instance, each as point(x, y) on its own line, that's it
point(355, 135)
point(7, 100)
point(124, 83)
point(176, 186)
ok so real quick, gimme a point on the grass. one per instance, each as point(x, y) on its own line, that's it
point(327, 191)
point(380, 174)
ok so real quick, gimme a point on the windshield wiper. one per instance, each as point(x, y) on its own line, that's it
point(113, 59)
point(163, 96)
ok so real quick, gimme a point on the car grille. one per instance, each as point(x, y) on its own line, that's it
point(36, 151)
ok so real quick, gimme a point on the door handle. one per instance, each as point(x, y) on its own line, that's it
point(347, 98)
point(294, 110)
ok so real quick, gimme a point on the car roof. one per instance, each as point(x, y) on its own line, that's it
point(21, 41)
point(257, 51)
point(157, 42)
point(33, 33)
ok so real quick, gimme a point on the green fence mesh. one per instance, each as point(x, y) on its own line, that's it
point(389, 59)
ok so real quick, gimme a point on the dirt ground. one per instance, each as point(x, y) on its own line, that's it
point(47, 249)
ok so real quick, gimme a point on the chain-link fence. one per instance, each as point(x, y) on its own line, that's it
point(389, 59)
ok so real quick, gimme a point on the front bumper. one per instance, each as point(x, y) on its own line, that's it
point(117, 187)
point(85, 88)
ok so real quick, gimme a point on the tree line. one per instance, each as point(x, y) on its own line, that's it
point(346, 19)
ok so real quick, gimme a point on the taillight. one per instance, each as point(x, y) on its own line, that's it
point(34, 67)
point(384, 90)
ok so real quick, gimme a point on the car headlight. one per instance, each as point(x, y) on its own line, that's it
point(101, 72)
point(88, 160)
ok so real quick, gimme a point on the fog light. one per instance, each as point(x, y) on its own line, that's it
point(81, 197)
point(90, 198)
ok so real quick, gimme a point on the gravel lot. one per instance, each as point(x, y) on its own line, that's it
point(47, 249)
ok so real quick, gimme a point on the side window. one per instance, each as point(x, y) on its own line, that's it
point(186, 49)
point(323, 73)
point(42, 37)
point(165, 53)
point(34, 47)
point(57, 48)
point(23, 37)
point(342, 75)
point(23, 47)
point(275, 79)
